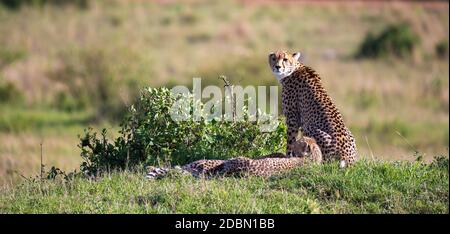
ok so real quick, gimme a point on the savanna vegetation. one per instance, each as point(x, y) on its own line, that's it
point(68, 69)
point(368, 187)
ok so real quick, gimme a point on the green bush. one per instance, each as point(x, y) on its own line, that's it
point(66, 102)
point(150, 136)
point(442, 49)
point(397, 40)
point(9, 93)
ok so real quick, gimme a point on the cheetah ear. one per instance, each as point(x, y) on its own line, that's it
point(296, 56)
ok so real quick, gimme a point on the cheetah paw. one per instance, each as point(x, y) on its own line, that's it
point(155, 172)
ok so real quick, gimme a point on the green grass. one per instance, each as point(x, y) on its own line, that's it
point(367, 187)
point(16, 119)
point(66, 62)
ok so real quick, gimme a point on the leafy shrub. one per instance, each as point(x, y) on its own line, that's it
point(9, 93)
point(66, 102)
point(442, 49)
point(398, 40)
point(440, 162)
point(149, 135)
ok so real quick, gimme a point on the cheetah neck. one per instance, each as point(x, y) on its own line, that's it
point(298, 69)
point(304, 73)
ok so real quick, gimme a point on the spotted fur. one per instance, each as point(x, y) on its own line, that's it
point(305, 150)
point(306, 105)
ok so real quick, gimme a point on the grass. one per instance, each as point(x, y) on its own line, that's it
point(48, 52)
point(367, 187)
point(16, 119)
point(22, 130)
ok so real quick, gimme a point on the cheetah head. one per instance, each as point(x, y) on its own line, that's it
point(283, 64)
point(301, 149)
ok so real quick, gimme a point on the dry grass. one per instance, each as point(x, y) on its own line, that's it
point(20, 155)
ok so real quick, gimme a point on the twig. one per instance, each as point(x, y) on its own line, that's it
point(370, 149)
point(28, 179)
point(128, 159)
point(406, 140)
point(42, 165)
point(225, 80)
point(233, 98)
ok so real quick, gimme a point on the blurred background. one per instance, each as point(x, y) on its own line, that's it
point(66, 65)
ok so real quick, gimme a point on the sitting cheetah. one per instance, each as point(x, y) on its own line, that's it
point(306, 105)
point(305, 150)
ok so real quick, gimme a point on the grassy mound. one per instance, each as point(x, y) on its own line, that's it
point(367, 187)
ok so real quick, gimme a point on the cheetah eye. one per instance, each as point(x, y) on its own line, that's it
point(285, 59)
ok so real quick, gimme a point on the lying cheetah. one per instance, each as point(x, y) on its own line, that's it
point(306, 105)
point(305, 150)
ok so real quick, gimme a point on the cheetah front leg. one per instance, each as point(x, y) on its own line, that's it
point(292, 132)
